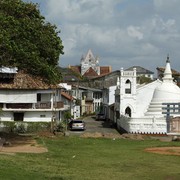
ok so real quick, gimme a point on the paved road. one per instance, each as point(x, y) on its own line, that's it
point(93, 126)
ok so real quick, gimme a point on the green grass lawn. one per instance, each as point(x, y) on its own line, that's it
point(78, 158)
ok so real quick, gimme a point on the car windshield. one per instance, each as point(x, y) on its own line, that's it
point(77, 121)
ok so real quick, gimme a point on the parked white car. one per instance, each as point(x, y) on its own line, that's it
point(77, 125)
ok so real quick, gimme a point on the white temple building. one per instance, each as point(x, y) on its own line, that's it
point(142, 108)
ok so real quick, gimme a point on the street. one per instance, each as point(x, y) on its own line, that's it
point(93, 126)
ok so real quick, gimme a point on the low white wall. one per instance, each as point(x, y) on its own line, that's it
point(143, 125)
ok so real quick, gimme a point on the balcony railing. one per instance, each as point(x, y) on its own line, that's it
point(19, 106)
point(47, 105)
point(59, 104)
point(38, 105)
point(43, 105)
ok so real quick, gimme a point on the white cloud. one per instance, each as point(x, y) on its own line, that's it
point(83, 11)
point(160, 25)
point(166, 5)
point(135, 32)
point(120, 32)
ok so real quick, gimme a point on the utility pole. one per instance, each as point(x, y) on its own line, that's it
point(53, 118)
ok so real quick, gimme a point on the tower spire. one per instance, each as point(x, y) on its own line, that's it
point(167, 61)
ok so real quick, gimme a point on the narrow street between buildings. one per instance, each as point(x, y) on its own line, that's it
point(98, 128)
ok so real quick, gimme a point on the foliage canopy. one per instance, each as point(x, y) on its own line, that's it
point(143, 79)
point(27, 41)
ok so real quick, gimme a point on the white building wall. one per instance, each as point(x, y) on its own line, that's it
point(38, 116)
point(24, 96)
point(76, 112)
point(128, 102)
point(29, 116)
point(127, 99)
point(7, 116)
point(18, 96)
point(111, 94)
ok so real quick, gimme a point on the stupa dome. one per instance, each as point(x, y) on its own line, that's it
point(168, 91)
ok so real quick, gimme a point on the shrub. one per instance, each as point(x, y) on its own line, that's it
point(25, 127)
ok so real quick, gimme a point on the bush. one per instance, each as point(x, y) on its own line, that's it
point(60, 127)
point(8, 126)
point(25, 127)
point(38, 126)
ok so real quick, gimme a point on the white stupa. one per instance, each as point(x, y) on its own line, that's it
point(166, 92)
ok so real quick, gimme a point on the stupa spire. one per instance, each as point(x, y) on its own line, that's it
point(167, 72)
point(168, 61)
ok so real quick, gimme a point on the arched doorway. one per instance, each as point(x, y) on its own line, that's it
point(128, 111)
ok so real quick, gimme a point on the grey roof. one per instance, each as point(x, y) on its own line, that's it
point(140, 70)
point(90, 89)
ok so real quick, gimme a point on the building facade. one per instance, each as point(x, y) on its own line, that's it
point(27, 98)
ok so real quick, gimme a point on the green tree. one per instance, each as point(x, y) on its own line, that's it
point(143, 79)
point(27, 41)
point(67, 115)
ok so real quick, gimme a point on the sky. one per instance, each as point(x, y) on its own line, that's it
point(122, 33)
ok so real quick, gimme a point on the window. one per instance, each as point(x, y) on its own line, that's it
point(42, 115)
point(18, 116)
point(128, 87)
point(38, 97)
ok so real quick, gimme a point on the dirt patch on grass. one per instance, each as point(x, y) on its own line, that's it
point(113, 136)
point(20, 144)
point(100, 135)
point(165, 150)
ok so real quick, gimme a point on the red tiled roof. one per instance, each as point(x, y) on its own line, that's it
point(90, 73)
point(162, 69)
point(23, 80)
point(66, 95)
point(105, 70)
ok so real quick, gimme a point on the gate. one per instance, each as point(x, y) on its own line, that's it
point(173, 125)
